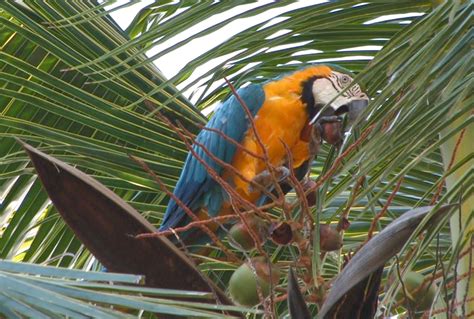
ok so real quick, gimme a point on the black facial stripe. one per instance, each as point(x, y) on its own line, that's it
point(355, 90)
point(339, 83)
point(339, 89)
point(333, 85)
point(348, 93)
point(307, 96)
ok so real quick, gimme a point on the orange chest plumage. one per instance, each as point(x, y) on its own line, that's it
point(279, 122)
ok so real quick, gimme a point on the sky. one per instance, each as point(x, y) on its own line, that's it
point(171, 63)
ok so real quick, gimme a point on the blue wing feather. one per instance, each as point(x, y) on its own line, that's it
point(195, 187)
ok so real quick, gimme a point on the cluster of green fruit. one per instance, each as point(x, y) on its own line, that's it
point(258, 275)
point(252, 278)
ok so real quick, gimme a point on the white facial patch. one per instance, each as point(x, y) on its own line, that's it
point(325, 90)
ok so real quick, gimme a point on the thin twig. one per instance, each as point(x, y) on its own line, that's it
point(440, 273)
point(459, 278)
point(185, 208)
point(230, 190)
point(468, 281)
point(229, 167)
point(450, 165)
point(258, 139)
point(181, 132)
point(232, 141)
point(456, 304)
point(455, 277)
point(404, 289)
point(384, 209)
point(233, 194)
point(339, 159)
point(191, 225)
point(345, 213)
point(298, 187)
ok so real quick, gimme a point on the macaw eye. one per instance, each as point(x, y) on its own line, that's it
point(345, 80)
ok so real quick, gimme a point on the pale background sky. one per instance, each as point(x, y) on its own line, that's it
point(172, 62)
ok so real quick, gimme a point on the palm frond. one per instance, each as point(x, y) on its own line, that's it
point(93, 126)
point(49, 292)
point(74, 87)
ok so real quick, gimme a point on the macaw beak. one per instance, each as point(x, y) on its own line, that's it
point(354, 108)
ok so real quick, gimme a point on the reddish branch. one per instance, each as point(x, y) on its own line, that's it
point(185, 135)
point(232, 141)
point(230, 167)
point(456, 304)
point(191, 225)
point(181, 131)
point(232, 193)
point(230, 190)
point(384, 209)
point(460, 278)
point(236, 200)
point(260, 143)
point(186, 209)
point(344, 216)
point(450, 165)
point(339, 159)
point(428, 279)
point(440, 273)
point(207, 221)
point(298, 187)
point(214, 175)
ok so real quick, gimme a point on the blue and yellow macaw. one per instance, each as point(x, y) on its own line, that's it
point(282, 109)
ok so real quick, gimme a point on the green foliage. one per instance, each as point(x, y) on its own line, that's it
point(36, 291)
point(73, 85)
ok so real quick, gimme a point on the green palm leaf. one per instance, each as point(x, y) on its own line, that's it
point(56, 293)
point(73, 85)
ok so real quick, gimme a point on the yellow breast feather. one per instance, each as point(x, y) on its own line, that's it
point(280, 120)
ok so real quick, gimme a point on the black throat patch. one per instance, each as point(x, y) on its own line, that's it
point(308, 98)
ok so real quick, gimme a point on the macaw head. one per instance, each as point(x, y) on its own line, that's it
point(327, 90)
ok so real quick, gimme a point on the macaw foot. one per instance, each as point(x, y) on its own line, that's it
point(265, 178)
point(330, 128)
